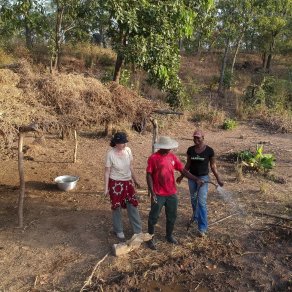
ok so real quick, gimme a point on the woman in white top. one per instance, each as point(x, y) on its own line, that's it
point(120, 183)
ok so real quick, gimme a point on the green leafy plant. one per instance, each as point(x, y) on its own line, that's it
point(229, 124)
point(257, 160)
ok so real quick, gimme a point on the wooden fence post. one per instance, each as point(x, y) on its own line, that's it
point(22, 131)
point(21, 179)
point(76, 145)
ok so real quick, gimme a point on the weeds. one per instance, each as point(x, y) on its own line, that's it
point(229, 124)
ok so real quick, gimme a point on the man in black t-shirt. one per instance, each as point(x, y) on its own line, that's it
point(199, 157)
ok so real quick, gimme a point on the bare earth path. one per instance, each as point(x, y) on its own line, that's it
point(67, 233)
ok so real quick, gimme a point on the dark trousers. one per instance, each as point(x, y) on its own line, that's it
point(170, 203)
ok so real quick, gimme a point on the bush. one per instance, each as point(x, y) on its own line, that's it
point(205, 112)
point(229, 124)
point(257, 160)
point(271, 92)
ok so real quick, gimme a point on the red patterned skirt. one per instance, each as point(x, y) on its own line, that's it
point(121, 192)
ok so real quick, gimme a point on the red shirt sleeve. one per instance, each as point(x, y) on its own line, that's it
point(177, 163)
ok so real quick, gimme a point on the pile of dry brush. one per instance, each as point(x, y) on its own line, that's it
point(63, 100)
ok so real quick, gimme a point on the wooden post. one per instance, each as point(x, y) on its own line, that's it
point(21, 179)
point(154, 132)
point(22, 131)
point(76, 145)
point(108, 128)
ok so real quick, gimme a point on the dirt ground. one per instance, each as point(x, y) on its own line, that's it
point(66, 234)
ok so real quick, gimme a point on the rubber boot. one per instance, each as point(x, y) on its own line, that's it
point(169, 230)
point(150, 243)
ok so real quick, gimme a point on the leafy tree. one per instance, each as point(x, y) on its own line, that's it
point(23, 16)
point(68, 17)
point(273, 18)
point(146, 33)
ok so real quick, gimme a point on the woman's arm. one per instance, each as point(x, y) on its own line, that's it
point(106, 179)
point(134, 176)
point(213, 167)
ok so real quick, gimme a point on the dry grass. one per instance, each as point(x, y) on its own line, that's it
point(5, 58)
point(90, 54)
point(64, 100)
point(206, 114)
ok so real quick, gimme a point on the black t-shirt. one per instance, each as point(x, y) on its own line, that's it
point(200, 162)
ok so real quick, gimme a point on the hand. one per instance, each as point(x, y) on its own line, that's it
point(199, 182)
point(220, 183)
point(137, 185)
point(179, 179)
point(106, 192)
point(153, 199)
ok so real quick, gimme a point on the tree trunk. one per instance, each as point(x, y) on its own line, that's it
point(235, 53)
point(120, 57)
point(271, 50)
point(118, 68)
point(269, 61)
point(223, 67)
point(264, 60)
point(28, 37)
point(57, 38)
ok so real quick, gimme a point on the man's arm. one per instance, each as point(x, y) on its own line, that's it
point(187, 167)
point(213, 167)
point(150, 187)
point(187, 174)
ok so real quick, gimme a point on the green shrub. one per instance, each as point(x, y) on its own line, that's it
point(125, 78)
point(229, 124)
point(271, 92)
point(257, 160)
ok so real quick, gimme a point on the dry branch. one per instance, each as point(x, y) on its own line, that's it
point(89, 280)
point(274, 216)
point(217, 221)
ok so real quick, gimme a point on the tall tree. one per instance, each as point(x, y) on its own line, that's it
point(273, 18)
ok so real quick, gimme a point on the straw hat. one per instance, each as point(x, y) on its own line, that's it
point(165, 142)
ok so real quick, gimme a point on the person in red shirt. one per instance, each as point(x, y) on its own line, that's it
point(161, 184)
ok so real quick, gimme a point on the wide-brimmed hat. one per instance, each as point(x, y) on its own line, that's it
point(165, 142)
point(198, 133)
point(120, 138)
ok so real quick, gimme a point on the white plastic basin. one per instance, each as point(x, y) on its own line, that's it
point(66, 182)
